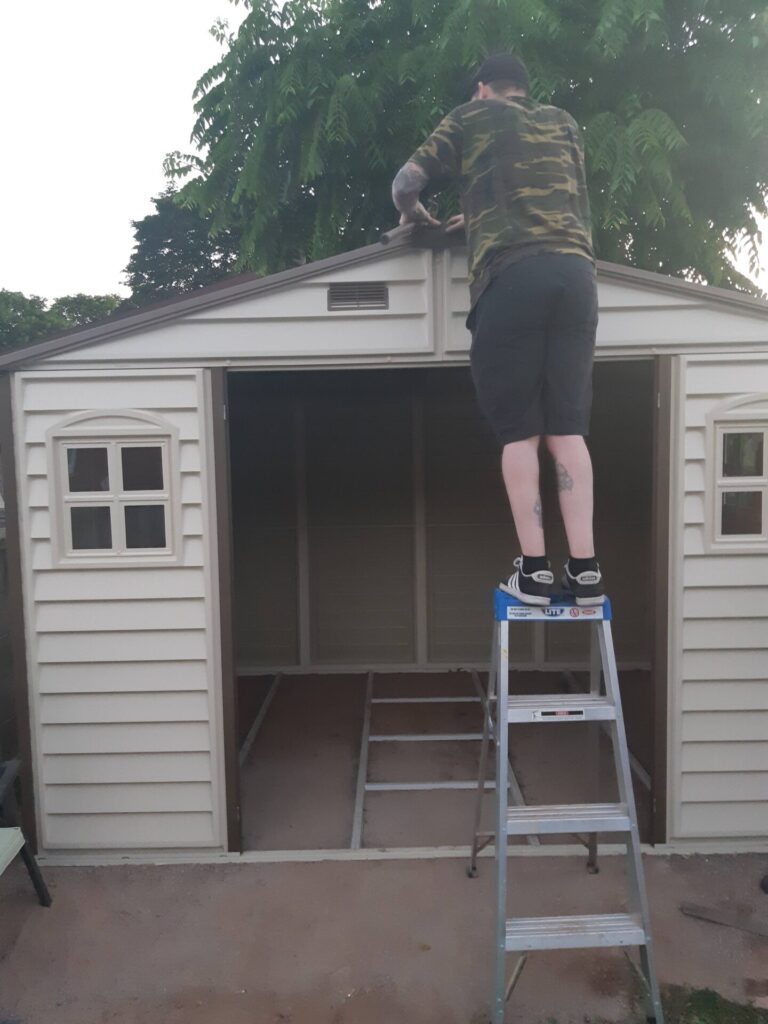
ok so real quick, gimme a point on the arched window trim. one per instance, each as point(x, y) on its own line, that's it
point(132, 515)
point(745, 415)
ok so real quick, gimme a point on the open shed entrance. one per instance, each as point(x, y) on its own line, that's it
point(369, 528)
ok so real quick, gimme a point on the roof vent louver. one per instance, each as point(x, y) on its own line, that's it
point(358, 295)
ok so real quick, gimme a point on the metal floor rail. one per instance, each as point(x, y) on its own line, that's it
point(602, 704)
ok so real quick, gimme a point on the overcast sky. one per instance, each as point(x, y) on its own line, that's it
point(93, 94)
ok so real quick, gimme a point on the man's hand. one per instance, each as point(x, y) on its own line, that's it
point(419, 215)
point(455, 223)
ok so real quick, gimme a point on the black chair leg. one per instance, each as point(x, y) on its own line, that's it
point(36, 875)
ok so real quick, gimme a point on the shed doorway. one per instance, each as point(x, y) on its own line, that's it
point(369, 528)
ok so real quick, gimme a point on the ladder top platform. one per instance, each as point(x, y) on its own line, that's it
point(562, 609)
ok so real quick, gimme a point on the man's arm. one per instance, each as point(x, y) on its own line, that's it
point(409, 182)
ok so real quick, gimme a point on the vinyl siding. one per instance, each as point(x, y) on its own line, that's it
point(123, 665)
point(720, 701)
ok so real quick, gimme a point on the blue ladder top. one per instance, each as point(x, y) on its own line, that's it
point(562, 609)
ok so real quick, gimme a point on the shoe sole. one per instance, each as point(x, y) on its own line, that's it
point(590, 602)
point(541, 602)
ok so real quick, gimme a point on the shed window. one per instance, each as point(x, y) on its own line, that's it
point(116, 498)
point(741, 485)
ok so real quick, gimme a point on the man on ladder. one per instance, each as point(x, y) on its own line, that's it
point(533, 316)
point(520, 169)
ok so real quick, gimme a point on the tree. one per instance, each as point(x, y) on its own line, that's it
point(314, 105)
point(24, 319)
point(175, 253)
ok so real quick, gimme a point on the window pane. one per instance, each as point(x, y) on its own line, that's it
point(142, 469)
point(91, 529)
point(145, 526)
point(742, 513)
point(743, 454)
point(88, 469)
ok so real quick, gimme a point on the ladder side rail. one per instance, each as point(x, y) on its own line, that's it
point(627, 796)
point(488, 733)
point(595, 689)
point(502, 753)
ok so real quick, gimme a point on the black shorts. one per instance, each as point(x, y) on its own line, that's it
point(533, 342)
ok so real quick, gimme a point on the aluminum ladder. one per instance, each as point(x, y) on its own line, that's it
point(603, 705)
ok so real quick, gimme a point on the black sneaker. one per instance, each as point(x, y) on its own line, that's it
point(586, 587)
point(535, 588)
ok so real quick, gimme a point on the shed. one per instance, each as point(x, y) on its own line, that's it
point(287, 476)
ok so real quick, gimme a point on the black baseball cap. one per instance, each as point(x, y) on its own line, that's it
point(501, 67)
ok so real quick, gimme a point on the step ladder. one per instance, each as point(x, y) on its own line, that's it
point(602, 704)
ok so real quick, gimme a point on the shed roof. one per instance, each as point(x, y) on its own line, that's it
point(243, 286)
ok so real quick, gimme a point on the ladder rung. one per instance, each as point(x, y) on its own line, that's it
point(584, 932)
point(560, 707)
point(563, 818)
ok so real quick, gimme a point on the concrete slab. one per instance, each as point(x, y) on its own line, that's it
point(355, 943)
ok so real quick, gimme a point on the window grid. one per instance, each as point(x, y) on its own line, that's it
point(725, 485)
point(116, 499)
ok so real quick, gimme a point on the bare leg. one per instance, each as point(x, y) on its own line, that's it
point(520, 469)
point(573, 466)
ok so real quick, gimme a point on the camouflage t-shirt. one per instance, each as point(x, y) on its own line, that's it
point(519, 166)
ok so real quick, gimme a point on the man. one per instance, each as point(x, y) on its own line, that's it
point(519, 166)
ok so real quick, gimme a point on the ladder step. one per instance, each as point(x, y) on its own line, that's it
point(564, 818)
point(560, 707)
point(592, 930)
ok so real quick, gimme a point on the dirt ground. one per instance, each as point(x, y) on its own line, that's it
point(373, 942)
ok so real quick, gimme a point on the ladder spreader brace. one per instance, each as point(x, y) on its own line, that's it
point(601, 704)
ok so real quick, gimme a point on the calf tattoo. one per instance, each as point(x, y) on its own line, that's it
point(564, 478)
point(537, 513)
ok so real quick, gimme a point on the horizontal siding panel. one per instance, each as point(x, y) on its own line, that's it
point(726, 570)
point(125, 676)
point(189, 457)
point(174, 392)
point(704, 787)
point(129, 798)
point(69, 708)
point(693, 510)
point(747, 818)
point(191, 489)
point(82, 769)
point(85, 831)
point(726, 602)
point(726, 726)
point(119, 616)
point(192, 521)
point(129, 584)
point(725, 757)
point(151, 737)
point(37, 424)
point(717, 634)
point(727, 377)
point(695, 444)
point(695, 478)
point(719, 695)
point(693, 540)
point(725, 664)
point(177, 645)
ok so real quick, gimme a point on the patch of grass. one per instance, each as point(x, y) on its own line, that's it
point(702, 1006)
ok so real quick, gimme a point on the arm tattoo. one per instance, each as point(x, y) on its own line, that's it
point(407, 186)
point(537, 512)
point(564, 478)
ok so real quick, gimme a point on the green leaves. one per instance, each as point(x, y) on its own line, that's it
point(315, 104)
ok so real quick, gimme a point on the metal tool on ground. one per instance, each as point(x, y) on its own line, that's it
point(602, 704)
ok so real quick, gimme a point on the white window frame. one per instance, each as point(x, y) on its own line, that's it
point(736, 418)
point(113, 431)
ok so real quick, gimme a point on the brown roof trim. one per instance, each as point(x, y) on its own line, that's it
point(703, 292)
point(245, 285)
point(240, 287)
